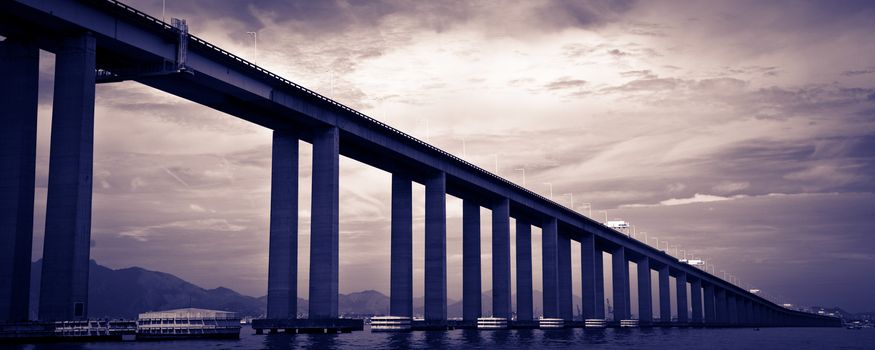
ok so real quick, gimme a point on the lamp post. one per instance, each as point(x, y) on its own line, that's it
point(254, 46)
point(550, 185)
point(572, 199)
point(645, 236)
point(524, 174)
point(588, 206)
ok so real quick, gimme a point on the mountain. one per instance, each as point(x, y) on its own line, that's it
point(124, 293)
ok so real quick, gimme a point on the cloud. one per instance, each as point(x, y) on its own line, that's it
point(731, 187)
point(696, 198)
point(565, 83)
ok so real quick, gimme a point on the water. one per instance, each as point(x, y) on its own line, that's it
point(649, 339)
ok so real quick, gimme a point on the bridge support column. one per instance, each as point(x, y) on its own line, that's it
point(681, 288)
point(710, 307)
point(501, 259)
point(282, 266)
point(592, 278)
point(401, 265)
point(722, 315)
point(550, 266)
point(696, 300)
point(732, 307)
point(523, 271)
point(748, 305)
point(18, 115)
point(64, 285)
point(471, 307)
point(563, 260)
point(620, 267)
point(324, 225)
point(664, 296)
point(645, 294)
point(436, 248)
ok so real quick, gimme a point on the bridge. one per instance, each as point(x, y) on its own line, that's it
point(104, 41)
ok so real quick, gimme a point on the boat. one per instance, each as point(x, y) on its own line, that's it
point(390, 323)
point(188, 323)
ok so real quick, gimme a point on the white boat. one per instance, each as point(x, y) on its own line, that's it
point(390, 323)
point(491, 323)
point(188, 323)
point(551, 323)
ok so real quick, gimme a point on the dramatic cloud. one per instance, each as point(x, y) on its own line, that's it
point(743, 131)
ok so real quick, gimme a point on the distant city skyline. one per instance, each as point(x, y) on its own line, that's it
point(738, 130)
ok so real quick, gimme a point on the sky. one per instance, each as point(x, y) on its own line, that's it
point(741, 132)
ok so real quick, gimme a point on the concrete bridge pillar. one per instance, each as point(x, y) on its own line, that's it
point(664, 295)
point(282, 267)
point(471, 307)
point(550, 266)
point(592, 278)
point(696, 300)
point(64, 285)
point(401, 261)
point(710, 304)
point(18, 117)
point(501, 259)
point(645, 294)
point(681, 288)
point(324, 225)
point(523, 270)
point(620, 280)
point(436, 248)
point(732, 307)
point(563, 260)
point(722, 311)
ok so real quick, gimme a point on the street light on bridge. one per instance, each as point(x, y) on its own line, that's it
point(572, 199)
point(524, 174)
point(254, 36)
point(588, 206)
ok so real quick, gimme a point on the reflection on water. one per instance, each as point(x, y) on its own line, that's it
point(643, 338)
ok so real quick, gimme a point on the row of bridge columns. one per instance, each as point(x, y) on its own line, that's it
point(64, 285)
point(556, 254)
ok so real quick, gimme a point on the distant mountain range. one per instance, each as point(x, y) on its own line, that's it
point(124, 293)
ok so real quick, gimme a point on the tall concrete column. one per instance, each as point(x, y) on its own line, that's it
point(64, 285)
point(563, 261)
point(471, 307)
point(523, 271)
point(645, 294)
point(282, 265)
point(710, 306)
point(620, 268)
point(436, 248)
point(749, 311)
point(401, 266)
point(681, 288)
point(664, 295)
point(592, 278)
point(550, 267)
point(501, 259)
point(324, 224)
point(732, 307)
point(18, 113)
point(720, 298)
point(696, 300)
